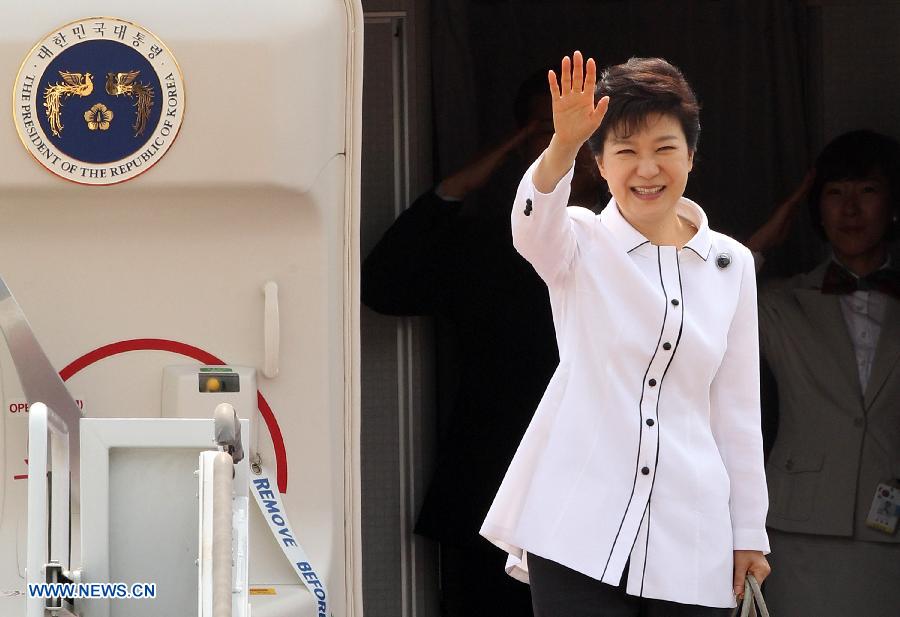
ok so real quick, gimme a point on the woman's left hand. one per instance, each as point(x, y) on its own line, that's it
point(753, 562)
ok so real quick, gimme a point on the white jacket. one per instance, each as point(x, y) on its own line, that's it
point(647, 443)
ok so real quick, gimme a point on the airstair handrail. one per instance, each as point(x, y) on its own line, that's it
point(48, 438)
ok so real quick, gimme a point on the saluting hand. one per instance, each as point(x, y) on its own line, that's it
point(476, 173)
point(774, 231)
point(575, 118)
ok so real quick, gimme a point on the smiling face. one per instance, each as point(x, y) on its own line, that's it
point(647, 171)
point(856, 214)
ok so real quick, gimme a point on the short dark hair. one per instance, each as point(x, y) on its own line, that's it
point(640, 88)
point(854, 156)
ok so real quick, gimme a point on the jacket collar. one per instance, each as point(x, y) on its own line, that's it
point(630, 238)
point(813, 279)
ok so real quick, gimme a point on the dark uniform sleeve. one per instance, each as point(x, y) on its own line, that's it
point(405, 273)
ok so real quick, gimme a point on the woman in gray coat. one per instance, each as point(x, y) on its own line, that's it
point(832, 339)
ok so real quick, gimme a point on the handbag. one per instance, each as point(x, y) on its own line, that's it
point(753, 604)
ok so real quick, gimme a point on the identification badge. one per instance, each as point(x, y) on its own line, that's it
point(885, 510)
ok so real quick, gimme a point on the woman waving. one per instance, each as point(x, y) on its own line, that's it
point(638, 488)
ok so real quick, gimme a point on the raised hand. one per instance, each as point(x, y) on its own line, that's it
point(575, 118)
point(774, 231)
point(476, 172)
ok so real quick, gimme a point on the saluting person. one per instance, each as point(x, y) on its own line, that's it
point(638, 488)
point(832, 339)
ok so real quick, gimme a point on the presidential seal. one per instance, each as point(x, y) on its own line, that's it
point(98, 101)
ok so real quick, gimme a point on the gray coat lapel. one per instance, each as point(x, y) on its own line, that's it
point(824, 314)
point(887, 353)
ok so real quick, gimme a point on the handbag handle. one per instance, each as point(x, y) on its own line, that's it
point(753, 605)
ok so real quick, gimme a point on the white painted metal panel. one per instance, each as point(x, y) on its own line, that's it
point(261, 185)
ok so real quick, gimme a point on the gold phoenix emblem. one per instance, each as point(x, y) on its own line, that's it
point(78, 84)
point(98, 117)
point(74, 84)
point(123, 83)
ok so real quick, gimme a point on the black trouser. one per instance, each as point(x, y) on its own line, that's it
point(474, 584)
point(557, 590)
